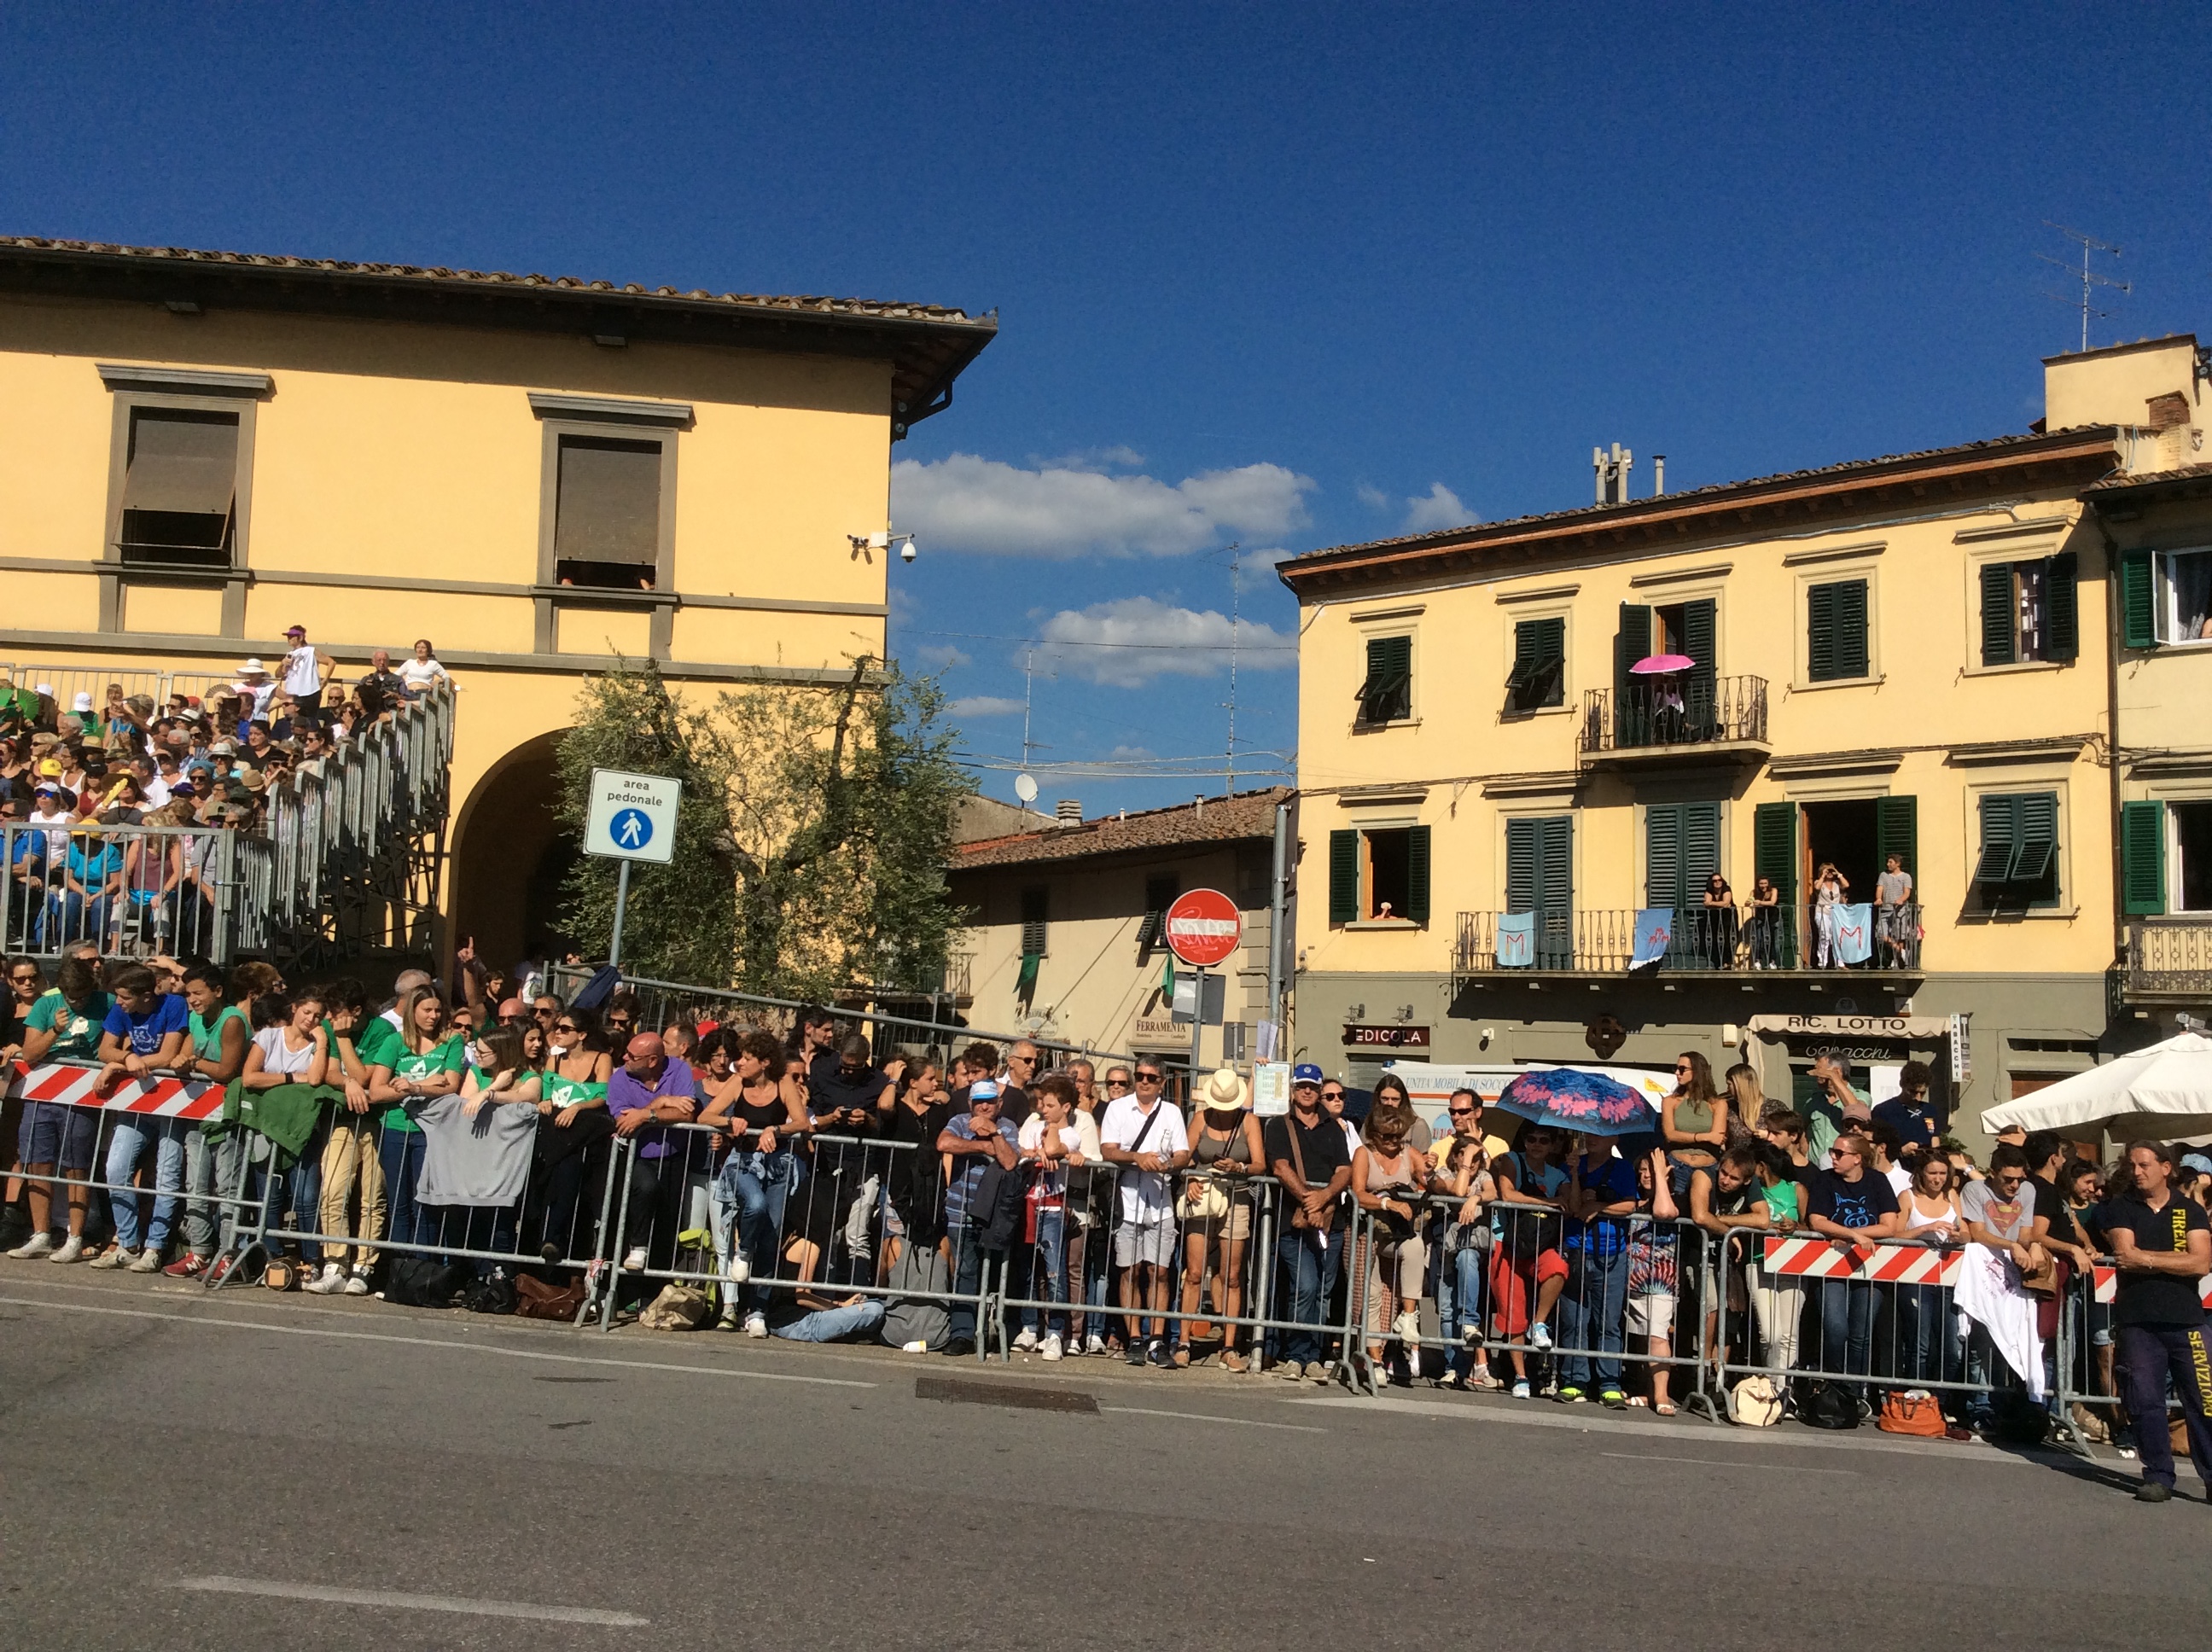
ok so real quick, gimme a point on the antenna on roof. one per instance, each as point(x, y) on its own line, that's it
point(1236, 591)
point(2090, 279)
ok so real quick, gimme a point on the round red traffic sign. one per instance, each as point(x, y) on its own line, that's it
point(1203, 927)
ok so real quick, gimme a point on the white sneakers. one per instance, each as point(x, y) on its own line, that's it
point(357, 1283)
point(737, 1270)
point(1027, 1341)
point(149, 1261)
point(72, 1250)
point(1540, 1336)
point(1095, 1343)
point(37, 1245)
point(329, 1282)
point(113, 1258)
point(1051, 1347)
point(635, 1262)
point(1407, 1329)
point(756, 1325)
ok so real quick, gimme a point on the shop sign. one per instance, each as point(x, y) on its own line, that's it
point(1362, 1035)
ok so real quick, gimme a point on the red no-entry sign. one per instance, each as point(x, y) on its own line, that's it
point(1203, 927)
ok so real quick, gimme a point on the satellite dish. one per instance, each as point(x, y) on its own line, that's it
point(1025, 788)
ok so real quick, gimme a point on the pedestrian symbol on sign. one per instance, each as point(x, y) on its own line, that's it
point(631, 828)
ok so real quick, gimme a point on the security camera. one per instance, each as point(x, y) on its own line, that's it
point(906, 549)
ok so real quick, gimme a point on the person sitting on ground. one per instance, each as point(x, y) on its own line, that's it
point(65, 1024)
point(1525, 1260)
point(1226, 1153)
point(1057, 1135)
point(1145, 1135)
point(816, 1316)
point(145, 1034)
point(978, 1142)
point(2163, 1247)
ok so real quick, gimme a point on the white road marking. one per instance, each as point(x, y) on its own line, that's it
point(1203, 1416)
point(1715, 1462)
point(431, 1342)
point(412, 1602)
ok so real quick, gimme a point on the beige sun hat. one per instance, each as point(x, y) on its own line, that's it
point(1224, 1092)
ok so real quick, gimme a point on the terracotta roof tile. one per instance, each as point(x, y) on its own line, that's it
point(1218, 820)
point(2149, 478)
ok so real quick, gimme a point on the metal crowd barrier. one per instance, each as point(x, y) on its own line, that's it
point(131, 892)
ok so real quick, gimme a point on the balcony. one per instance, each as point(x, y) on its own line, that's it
point(2169, 959)
point(1715, 719)
point(1701, 940)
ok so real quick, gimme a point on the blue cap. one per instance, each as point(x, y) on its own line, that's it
point(983, 1090)
point(1305, 1073)
point(2198, 1162)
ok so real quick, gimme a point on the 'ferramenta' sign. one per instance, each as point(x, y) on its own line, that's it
point(1389, 1038)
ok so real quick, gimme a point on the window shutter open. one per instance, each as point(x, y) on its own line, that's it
point(1631, 643)
point(1417, 874)
point(1386, 695)
point(2037, 831)
point(1996, 613)
point(1774, 847)
point(1524, 847)
point(2142, 857)
point(1540, 650)
point(1699, 624)
point(2000, 833)
point(180, 478)
point(2138, 607)
point(1033, 923)
point(1701, 849)
point(1897, 832)
point(1663, 854)
point(1344, 878)
point(608, 509)
point(2061, 597)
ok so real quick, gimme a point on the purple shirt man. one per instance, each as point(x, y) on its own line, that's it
point(649, 1091)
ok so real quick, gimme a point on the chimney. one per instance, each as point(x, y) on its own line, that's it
point(1068, 811)
point(1658, 474)
point(1612, 473)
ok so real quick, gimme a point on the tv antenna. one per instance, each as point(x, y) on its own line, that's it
point(1236, 594)
point(1028, 683)
point(2089, 278)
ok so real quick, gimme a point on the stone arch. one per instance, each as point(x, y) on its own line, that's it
point(510, 852)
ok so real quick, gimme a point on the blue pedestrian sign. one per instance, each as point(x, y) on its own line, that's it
point(632, 816)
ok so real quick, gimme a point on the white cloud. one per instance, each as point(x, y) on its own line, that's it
point(965, 503)
point(1151, 638)
point(942, 655)
point(1373, 497)
point(1439, 507)
point(1131, 754)
point(1117, 457)
point(983, 705)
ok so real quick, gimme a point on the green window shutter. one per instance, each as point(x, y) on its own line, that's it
point(1025, 982)
point(1851, 628)
point(1821, 633)
point(2037, 833)
point(1897, 832)
point(1774, 847)
point(1836, 631)
point(1631, 643)
point(1033, 923)
point(1387, 694)
point(1699, 624)
point(1540, 653)
point(2000, 841)
point(1344, 878)
point(1663, 854)
point(1701, 849)
point(1557, 888)
point(2061, 598)
point(2142, 857)
point(1417, 874)
point(2138, 604)
point(1524, 848)
point(1996, 613)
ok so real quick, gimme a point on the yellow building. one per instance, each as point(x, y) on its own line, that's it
point(1508, 830)
point(541, 476)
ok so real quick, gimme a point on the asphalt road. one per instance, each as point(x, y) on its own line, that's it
point(183, 1470)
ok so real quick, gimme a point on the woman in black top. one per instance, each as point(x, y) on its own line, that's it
point(1716, 921)
point(913, 1181)
point(764, 1111)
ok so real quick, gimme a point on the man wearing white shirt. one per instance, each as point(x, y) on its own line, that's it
point(1146, 1136)
point(305, 670)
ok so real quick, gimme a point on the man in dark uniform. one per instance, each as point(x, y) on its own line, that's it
point(2163, 1245)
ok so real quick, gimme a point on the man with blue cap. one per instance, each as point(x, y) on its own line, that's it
point(1307, 1152)
point(978, 1141)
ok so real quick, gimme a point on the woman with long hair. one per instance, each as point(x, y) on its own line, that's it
point(1694, 1122)
point(1226, 1154)
point(1388, 1175)
point(572, 1118)
point(765, 1112)
point(423, 1062)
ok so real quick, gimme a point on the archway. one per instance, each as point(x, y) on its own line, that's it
point(510, 853)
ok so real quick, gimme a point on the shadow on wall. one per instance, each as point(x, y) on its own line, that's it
point(510, 853)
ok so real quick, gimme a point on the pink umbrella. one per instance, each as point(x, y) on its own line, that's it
point(1655, 664)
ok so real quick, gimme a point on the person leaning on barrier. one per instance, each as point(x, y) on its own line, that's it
point(1144, 1133)
point(572, 1118)
point(978, 1143)
point(1728, 1204)
point(648, 1093)
point(26, 981)
point(1853, 1208)
point(146, 1035)
point(1600, 1191)
point(913, 1181)
point(1525, 1260)
point(1056, 1137)
point(350, 1161)
point(221, 1035)
point(424, 1059)
point(1389, 1174)
point(1306, 1152)
point(761, 1106)
point(65, 1024)
point(474, 1163)
point(1462, 1170)
point(1085, 1077)
point(1216, 1204)
point(2163, 1246)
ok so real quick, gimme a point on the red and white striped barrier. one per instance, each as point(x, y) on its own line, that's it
point(167, 1098)
point(1818, 1259)
point(2108, 1284)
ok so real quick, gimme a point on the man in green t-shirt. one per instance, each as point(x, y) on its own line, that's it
point(64, 1025)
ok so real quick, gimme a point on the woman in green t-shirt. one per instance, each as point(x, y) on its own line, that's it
point(572, 1117)
point(422, 1062)
point(1777, 1302)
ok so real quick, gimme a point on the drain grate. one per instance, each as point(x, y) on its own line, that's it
point(1020, 1396)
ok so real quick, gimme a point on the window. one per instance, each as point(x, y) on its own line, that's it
point(2017, 864)
point(2182, 600)
point(1836, 631)
point(1379, 874)
point(606, 525)
point(1681, 850)
point(1386, 693)
point(1159, 896)
point(1540, 881)
point(1540, 666)
point(2030, 610)
point(1033, 923)
point(2165, 857)
point(179, 489)
point(1650, 710)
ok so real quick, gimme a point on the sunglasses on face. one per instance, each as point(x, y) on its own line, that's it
point(1464, 1112)
point(1148, 1077)
point(1117, 1084)
point(1332, 1094)
point(564, 1026)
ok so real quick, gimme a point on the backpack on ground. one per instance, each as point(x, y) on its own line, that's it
point(423, 1282)
point(493, 1294)
point(1828, 1406)
point(906, 1322)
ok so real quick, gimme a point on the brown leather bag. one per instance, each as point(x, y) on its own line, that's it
point(534, 1299)
point(1903, 1415)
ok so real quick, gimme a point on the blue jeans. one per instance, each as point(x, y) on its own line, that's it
point(1846, 1328)
point(132, 1133)
point(1049, 1269)
point(1926, 1349)
point(77, 918)
point(1459, 1304)
point(749, 1196)
point(834, 1324)
point(400, 1153)
point(1589, 1313)
point(1308, 1275)
point(969, 1258)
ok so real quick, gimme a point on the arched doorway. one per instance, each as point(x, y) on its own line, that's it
point(510, 854)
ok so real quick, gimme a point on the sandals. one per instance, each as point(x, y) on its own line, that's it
point(1639, 1402)
point(1232, 1361)
point(1664, 1408)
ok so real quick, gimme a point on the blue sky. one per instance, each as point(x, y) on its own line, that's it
point(1279, 276)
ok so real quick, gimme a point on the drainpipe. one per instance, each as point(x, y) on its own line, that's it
point(1276, 909)
point(2114, 624)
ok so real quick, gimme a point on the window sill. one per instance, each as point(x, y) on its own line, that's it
point(2019, 914)
point(1529, 716)
point(2017, 667)
point(1382, 728)
point(1805, 685)
point(1383, 924)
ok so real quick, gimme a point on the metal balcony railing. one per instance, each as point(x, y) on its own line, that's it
point(1603, 941)
point(1667, 713)
point(2170, 956)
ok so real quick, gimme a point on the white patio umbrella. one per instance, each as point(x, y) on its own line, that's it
point(2163, 1091)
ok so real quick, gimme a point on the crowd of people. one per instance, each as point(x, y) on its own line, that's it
point(791, 1183)
point(74, 777)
